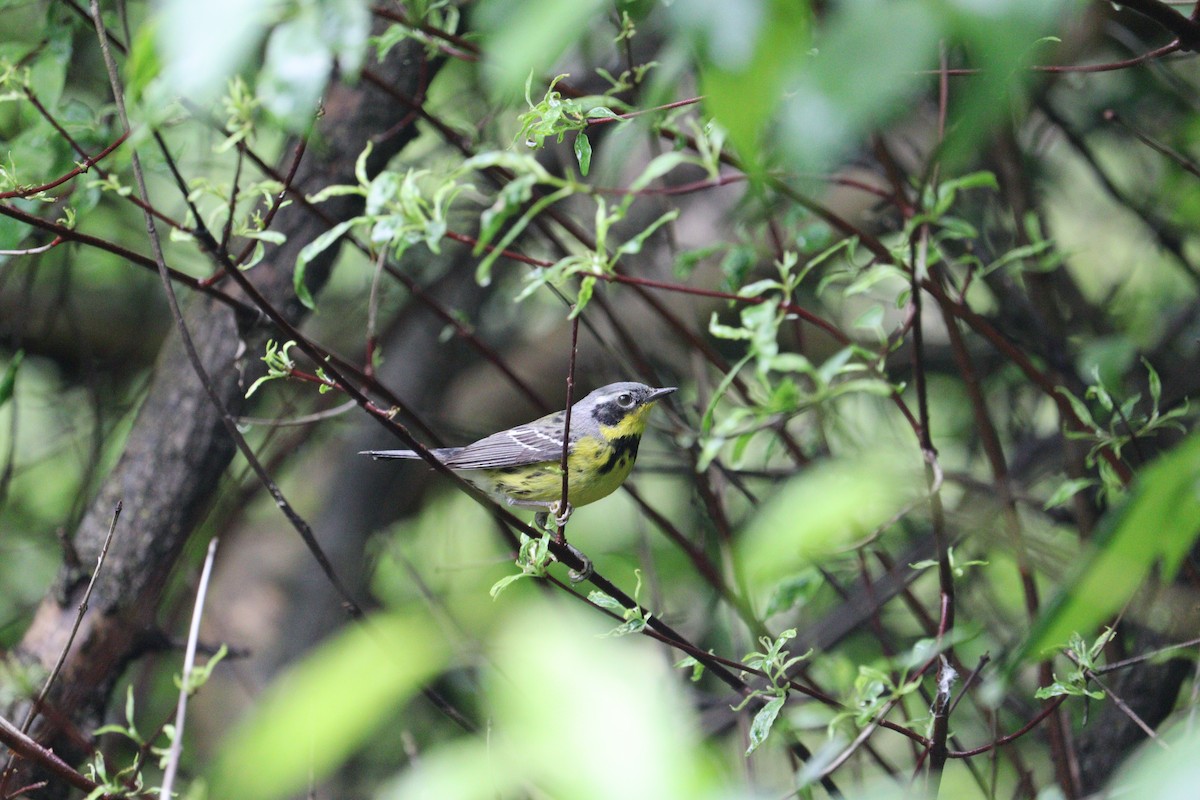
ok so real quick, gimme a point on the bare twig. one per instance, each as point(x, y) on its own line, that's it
point(566, 433)
point(189, 662)
point(83, 607)
point(36, 706)
point(21, 745)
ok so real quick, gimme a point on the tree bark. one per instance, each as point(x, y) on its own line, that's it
point(178, 448)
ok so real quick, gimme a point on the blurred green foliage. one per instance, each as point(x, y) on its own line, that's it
point(788, 466)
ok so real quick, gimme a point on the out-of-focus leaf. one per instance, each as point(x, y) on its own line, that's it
point(317, 714)
point(466, 769)
point(1171, 772)
point(866, 66)
point(48, 72)
point(202, 44)
point(822, 511)
point(1002, 39)
point(297, 67)
point(346, 24)
point(1157, 524)
point(614, 738)
point(743, 93)
point(8, 380)
point(1067, 490)
point(542, 657)
point(144, 63)
point(528, 36)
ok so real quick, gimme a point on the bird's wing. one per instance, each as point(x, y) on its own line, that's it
point(524, 444)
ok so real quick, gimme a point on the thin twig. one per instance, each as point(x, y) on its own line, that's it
point(36, 706)
point(303, 419)
point(862, 737)
point(566, 433)
point(83, 607)
point(189, 662)
point(21, 745)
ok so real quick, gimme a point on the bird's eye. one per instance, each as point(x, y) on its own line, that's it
point(625, 400)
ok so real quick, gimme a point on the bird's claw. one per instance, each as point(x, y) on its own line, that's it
point(541, 521)
point(577, 576)
point(562, 518)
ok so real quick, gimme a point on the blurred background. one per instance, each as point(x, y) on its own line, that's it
point(919, 519)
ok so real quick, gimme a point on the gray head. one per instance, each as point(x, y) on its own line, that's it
point(626, 402)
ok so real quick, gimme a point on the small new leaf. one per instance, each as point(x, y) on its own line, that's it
point(763, 720)
point(695, 664)
point(279, 364)
point(533, 559)
point(583, 153)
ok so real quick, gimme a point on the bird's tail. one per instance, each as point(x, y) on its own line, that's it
point(440, 453)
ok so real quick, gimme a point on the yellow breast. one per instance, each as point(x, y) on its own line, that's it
point(598, 465)
point(596, 468)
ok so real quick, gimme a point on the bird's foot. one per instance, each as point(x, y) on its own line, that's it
point(541, 521)
point(577, 576)
point(562, 518)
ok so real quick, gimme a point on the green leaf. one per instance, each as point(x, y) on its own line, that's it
point(1059, 688)
point(999, 41)
point(1067, 490)
point(8, 381)
point(1155, 382)
point(824, 510)
point(143, 64)
point(604, 600)
point(1079, 407)
point(317, 714)
point(722, 331)
point(542, 653)
point(1157, 524)
point(508, 202)
point(583, 153)
point(634, 245)
point(697, 667)
point(483, 273)
point(756, 288)
point(296, 69)
point(792, 592)
point(635, 625)
point(383, 190)
point(865, 69)
point(659, 166)
point(499, 586)
point(1169, 772)
point(524, 37)
point(586, 287)
point(203, 44)
point(346, 25)
point(763, 720)
point(751, 50)
point(311, 251)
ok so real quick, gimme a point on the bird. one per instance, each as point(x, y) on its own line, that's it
point(522, 466)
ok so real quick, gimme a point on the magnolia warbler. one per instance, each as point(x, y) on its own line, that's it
point(522, 466)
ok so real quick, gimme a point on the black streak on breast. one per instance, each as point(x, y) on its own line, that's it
point(624, 448)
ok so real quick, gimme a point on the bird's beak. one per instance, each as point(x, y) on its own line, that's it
point(659, 394)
